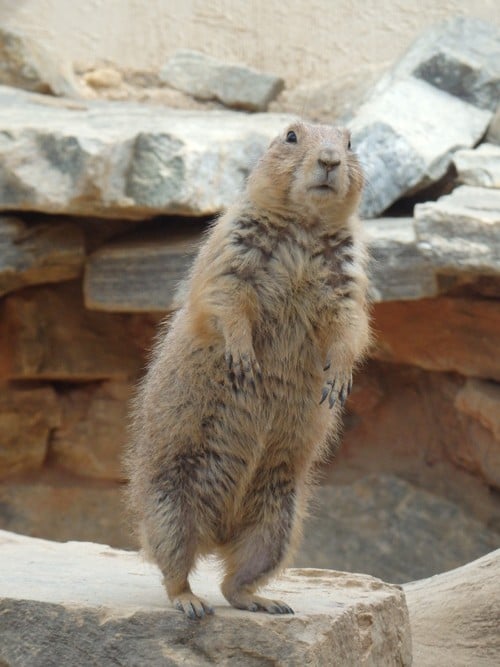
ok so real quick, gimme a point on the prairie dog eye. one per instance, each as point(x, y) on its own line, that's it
point(349, 147)
point(291, 137)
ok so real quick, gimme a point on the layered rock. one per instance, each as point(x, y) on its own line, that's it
point(460, 233)
point(122, 160)
point(40, 253)
point(445, 334)
point(28, 415)
point(47, 334)
point(207, 78)
point(82, 595)
point(480, 166)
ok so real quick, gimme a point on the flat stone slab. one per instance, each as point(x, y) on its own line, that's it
point(87, 604)
point(399, 271)
point(480, 166)
point(141, 273)
point(460, 233)
point(125, 160)
point(144, 272)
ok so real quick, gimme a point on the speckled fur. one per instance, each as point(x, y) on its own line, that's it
point(228, 420)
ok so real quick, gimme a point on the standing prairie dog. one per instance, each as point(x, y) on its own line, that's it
point(234, 408)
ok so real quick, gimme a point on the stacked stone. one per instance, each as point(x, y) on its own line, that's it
point(102, 208)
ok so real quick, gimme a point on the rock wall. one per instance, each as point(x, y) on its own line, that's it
point(102, 207)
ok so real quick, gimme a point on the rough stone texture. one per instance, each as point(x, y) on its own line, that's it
point(88, 604)
point(390, 529)
point(460, 233)
point(27, 418)
point(398, 269)
point(46, 333)
point(460, 56)
point(110, 159)
point(63, 509)
point(42, 253)
point(480, 401)
point(404, 421)
point(90, 440)
point(480, 166)
point(446, 334)
point(454, 616)
point(207, 78)
point(144, 271)
point(140, 273)
point(27, 64)
point(400, 150)
point(451, 72)
point(493, 135)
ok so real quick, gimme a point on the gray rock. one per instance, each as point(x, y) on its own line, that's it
point(207, 78)
point(125, 160)
point(42, 253)
point(27, 64)
point(460, 56)
point(480, 166)
point(140, 274)
point(145, 272)
point(405, 139)
point(460, 233)
point(388, 528)
point(398, 270)
point(493, 135)
point(86, 604)
point(454, 616)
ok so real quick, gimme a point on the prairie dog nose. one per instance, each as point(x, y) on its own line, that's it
point(328, 159)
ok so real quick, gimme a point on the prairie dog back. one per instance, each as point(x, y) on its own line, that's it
point(249, 379)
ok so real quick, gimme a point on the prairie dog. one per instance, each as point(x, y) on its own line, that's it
point(234, 408)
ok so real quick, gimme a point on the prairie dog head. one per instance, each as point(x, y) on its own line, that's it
point(308, 170)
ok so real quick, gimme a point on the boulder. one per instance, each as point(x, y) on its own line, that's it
point(125, 160)
point(41, 253)
point(442, 334)
point(460, 233)
point(389, 528)
point(207, 78)
point(92, 432)
point(89, 604)
point(46, 334)
point(28, 415)
point(451, 72)
point(454, 616)
point(25, 63)
point(400, 150)
point(460, 56)
point(480, 166)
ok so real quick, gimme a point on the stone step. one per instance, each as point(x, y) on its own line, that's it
point(86, 604)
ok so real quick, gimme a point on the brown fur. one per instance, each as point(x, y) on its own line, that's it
point(228, 420)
